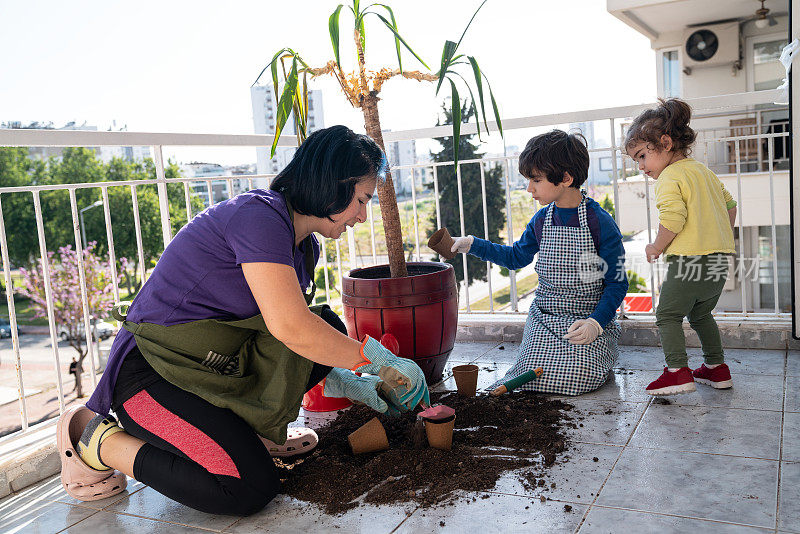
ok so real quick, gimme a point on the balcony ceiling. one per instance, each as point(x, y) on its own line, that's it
point(655, 17)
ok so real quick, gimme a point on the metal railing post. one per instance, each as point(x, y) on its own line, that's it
point(48, 292)
point(163, 198)
point(12, 318)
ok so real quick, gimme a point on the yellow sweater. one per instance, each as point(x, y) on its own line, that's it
point(693, 203)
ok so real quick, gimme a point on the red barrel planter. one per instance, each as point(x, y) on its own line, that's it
point(420, 310)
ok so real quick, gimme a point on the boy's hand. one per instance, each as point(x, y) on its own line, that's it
point(461, 245)
point(583, 331)
point(652, 253)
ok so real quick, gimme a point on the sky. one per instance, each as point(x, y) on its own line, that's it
point(177, 66)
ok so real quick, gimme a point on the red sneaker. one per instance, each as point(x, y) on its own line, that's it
point(719, 377)
point(672, 383)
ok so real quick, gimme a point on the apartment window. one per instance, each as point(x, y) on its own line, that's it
point(767, 70)
point(671, 73)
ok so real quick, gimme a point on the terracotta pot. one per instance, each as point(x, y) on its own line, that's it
point(370, 437)
point(441, 242)
point(440, 433)
point(419, 310)
point(466, 379)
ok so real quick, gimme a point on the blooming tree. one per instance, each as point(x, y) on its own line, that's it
point(66, 293)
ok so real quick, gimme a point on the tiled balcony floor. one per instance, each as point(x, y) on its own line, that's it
point(710, 461)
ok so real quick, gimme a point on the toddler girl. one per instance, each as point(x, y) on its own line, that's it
point(696, 218)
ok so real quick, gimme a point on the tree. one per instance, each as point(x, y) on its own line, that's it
point(636, 284)
point(608, 205)
point(472, 197)
point(66, 295)
point(81, 165)
point(361, 88)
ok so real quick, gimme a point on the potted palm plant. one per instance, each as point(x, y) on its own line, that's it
point(415, 302)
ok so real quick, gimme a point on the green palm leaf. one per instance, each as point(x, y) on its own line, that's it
point(476, 70)
point(333, 29)
point(448, 52)
point(455, 109)
point(285, 103)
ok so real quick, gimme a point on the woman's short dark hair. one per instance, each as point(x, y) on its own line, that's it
point(320, 179)
point(554, 153)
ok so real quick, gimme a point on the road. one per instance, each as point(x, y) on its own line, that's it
point(39, 379)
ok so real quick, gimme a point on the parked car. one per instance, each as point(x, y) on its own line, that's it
point(5, 328)
point(104, 331)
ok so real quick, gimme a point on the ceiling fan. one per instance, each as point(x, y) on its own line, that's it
point(762, 17)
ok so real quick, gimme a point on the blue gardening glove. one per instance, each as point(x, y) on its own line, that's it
point(401, 375)
point(392, 398)
point(363, 389)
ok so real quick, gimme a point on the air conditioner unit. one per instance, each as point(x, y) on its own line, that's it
point(711, 46)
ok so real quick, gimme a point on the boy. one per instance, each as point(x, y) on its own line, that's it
point(570, 331)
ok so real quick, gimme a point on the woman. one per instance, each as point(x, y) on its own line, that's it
point(220, 345)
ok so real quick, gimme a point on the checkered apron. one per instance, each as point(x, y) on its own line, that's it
point(570, 286)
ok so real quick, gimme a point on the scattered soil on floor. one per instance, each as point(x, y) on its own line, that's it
point(493, 435)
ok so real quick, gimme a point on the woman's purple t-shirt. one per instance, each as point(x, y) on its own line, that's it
point(199, 275)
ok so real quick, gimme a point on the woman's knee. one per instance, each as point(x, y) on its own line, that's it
point(245, 499)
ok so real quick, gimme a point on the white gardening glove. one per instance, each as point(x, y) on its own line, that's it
point(583, 331)
point(462, 245)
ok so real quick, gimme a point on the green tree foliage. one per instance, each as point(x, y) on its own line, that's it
point(79, 165)
point(636, 284)
point(608, 204)
point(471, 195)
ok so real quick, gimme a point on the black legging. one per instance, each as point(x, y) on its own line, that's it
point(195, 453)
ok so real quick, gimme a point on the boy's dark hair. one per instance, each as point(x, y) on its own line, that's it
point(671, 118)
point(320, 179)
point(554, 153)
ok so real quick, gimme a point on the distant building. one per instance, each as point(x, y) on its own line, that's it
point(105, 153)
point(600, 164)
point(221, 189)
point(264, 122)
point(401, 153)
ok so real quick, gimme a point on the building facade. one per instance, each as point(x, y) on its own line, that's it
point(264, 105)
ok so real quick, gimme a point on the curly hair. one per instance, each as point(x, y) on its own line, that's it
point(671, 118)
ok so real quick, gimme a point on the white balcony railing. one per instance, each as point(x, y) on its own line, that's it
point(709, 142)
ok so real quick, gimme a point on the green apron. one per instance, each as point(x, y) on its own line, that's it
point(237, 365)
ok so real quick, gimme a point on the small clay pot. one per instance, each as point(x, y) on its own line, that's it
point(440, 433)
point(441, 242)
point(466, 379)
point(370, 437)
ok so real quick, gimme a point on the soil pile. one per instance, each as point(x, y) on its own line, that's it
point(492, 435)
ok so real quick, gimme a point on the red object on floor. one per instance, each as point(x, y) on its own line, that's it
point(719, 377)
point(316, 401)
point(672, 382)
point(638, 302)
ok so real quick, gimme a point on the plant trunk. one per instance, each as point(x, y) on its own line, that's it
point(386, 196)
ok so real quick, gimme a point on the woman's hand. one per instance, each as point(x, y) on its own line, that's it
point(363, 389)
point(402, 375)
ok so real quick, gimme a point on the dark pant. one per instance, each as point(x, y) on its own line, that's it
point(691, 289)
point(195, 453)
